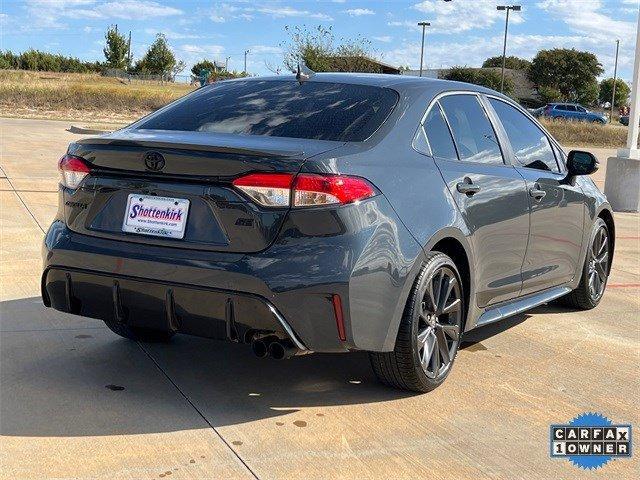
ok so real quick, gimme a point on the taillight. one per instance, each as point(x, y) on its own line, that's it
point(268, 189)
point(306, 189)
point(72, 170)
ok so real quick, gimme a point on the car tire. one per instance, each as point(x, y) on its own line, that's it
point(432, 322)
point(587, 295)
point(145, 335)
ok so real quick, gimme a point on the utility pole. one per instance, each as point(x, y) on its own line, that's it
point(129, 51)
point(424, 25)
point(246, 52)
point(615, 80)
point(515, 8)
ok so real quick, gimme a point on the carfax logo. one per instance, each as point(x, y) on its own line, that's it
point(590, 440)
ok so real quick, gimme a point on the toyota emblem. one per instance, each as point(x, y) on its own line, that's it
point(154, 161)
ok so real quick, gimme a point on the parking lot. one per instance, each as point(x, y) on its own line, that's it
point(79, 402)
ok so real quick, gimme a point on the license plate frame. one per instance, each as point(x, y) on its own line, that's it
point(164, 217)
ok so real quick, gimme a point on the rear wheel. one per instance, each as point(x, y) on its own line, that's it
point(139, 334)
point(430, 330)
point(595, 272)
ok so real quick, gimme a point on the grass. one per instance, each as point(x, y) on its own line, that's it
point(90, 98)
point(81, 96)
point(586, 134)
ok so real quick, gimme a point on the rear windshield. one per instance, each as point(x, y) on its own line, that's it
point(314, 110)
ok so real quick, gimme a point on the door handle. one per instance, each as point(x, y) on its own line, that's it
point(467, 187)
point(536, 192)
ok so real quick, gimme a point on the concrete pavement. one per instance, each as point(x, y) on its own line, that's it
point(76, 401)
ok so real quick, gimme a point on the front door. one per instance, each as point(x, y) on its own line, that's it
point(557, 208)
point(490, 195)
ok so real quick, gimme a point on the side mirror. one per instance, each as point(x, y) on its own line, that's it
point(581, 163)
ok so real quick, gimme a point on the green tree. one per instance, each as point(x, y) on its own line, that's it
point(569, 71)
point(622, 91)
point(514, 63)
point(486, 78)
point(321, 52)
point(115, 50)
point(206, 64)
point(159, 59)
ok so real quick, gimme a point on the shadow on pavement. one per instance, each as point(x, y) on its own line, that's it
point(66, 376)
point(62, 380)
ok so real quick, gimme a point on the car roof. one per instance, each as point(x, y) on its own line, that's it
point(397, 82)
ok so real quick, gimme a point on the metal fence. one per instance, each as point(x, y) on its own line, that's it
point(144, 77)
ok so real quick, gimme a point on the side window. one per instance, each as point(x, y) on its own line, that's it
point(570, 108)
point(582, 109)
point(439, 135)
point(562, 108)
point(530, 145)
point(473, 134)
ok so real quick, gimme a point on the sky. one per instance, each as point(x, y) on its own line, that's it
point(462, 32)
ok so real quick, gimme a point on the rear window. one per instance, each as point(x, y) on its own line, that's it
point(313, 110)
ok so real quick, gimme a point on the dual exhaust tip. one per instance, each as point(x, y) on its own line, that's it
point(273, 347)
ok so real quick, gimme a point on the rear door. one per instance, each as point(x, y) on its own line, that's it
point(557, 208)
point(489, 193)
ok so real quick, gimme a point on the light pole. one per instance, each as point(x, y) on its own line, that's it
point(246, 52)
point(424, 25)
point(515, 8)
point(615, 79)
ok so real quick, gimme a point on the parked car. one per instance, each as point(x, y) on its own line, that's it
point(624, 120)
point(572, 111)
point(380, 213)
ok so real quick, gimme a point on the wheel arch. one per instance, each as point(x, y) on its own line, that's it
point(607, 216)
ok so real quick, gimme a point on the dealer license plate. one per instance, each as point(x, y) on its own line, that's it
point(156, 216)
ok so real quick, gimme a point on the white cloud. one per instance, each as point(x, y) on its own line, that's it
point(49, 13)
point(457, 16)
point(201, 49)
point(282, 12)
point(358, 12)
point(588, 17)
point(383, 38)
point(172, 35)
point(265, 50)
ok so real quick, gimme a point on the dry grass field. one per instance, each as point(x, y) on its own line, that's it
point(86, 97)
point(587, 134)
point(91, 98)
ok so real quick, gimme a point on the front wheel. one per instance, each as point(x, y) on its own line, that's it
point(595, 271)
point(430, 330)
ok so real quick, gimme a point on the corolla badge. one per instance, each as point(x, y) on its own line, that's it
point(154, 161)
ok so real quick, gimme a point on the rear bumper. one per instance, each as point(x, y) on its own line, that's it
point(163, 305)
point(361, 252)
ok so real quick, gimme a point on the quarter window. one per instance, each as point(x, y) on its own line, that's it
point(439, 135)
point(473, 134)
point(530, 145)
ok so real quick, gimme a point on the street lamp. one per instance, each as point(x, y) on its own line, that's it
point(515, 8)
point(424, 25)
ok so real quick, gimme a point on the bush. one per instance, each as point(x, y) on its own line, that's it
point(43, 61)
point(514, 63)
point(486, 78)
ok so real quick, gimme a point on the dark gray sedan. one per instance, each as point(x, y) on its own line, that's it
point(346, 212)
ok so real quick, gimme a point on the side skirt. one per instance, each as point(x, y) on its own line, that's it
point(520, 305)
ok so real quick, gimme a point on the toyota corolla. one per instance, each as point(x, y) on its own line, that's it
point(344, 212)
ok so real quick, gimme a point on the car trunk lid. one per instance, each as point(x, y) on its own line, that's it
point(144, 166)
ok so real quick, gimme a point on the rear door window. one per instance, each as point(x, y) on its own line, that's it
point(472, 131)
point(530, 145)
point(281, 108)
point(438, 135)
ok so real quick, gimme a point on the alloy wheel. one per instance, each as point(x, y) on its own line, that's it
point(598, 263)
point(439, 323)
